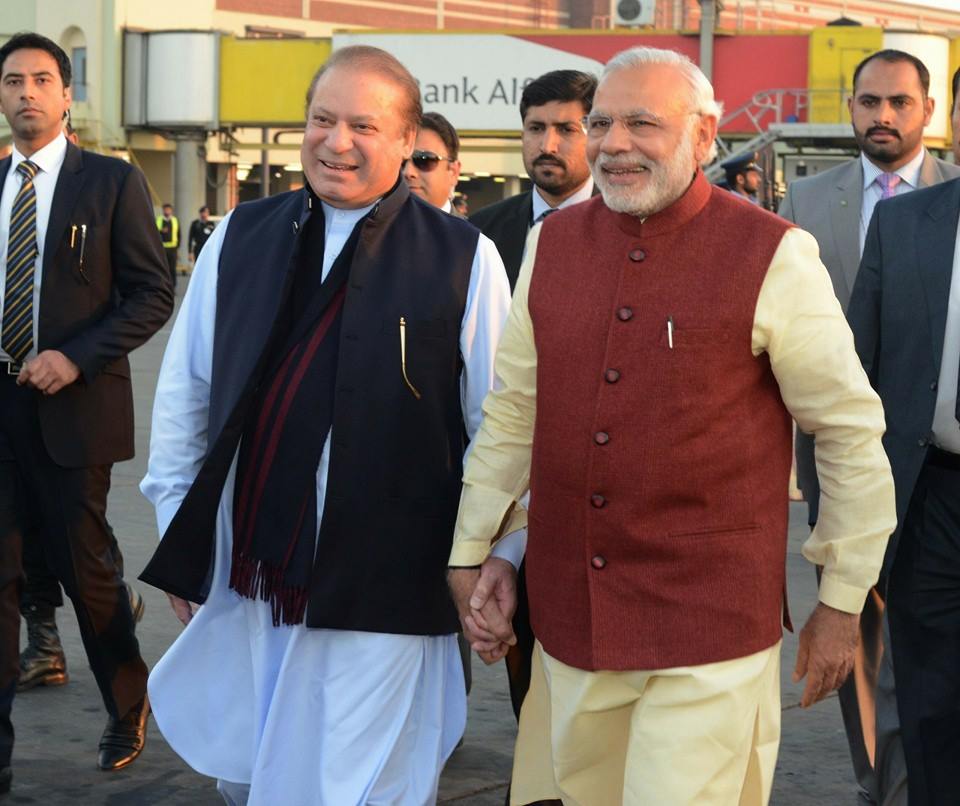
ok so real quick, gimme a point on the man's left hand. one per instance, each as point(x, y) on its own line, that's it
point(49, 372)
point(828, 643)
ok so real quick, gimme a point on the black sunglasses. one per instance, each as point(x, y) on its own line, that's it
point(425, 161)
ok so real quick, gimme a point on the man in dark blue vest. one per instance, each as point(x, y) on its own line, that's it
point(319, 387)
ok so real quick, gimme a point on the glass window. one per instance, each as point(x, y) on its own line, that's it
point(79, 59)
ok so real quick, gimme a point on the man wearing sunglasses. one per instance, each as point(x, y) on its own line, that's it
point(554, 156)
point(433, 170)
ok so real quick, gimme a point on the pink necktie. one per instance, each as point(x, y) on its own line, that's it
point(888, 183)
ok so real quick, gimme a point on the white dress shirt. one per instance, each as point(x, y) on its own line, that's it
point(909, 180)
point(540, 205)
point(49, 160)
point(946, 428)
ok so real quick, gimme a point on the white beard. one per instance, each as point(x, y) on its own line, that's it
point(667, 182)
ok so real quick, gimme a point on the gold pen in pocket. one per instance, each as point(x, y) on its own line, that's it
point(403, 357)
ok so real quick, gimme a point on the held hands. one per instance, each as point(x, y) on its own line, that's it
point(49, 372)
point(183, 609)
point(828, 643)
point(486, 601)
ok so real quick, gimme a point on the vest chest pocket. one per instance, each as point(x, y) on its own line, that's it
point(687, 362)
point(423, 349)
point(677, 337)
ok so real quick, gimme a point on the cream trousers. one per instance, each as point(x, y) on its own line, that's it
point(699, 735)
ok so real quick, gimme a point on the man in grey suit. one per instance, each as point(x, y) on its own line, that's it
point(889, 109)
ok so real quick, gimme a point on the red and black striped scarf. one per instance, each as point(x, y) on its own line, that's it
point(275, 494)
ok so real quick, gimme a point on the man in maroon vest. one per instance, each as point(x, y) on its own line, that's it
point(646, 381)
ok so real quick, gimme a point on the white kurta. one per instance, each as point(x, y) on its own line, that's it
point(303, 716)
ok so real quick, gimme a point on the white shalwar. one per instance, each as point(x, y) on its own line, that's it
point(301, 716)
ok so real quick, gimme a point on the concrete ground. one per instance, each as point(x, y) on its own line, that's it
point(57, 729)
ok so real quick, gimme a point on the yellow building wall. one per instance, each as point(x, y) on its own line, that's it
point(264, 81)
point(834, 54)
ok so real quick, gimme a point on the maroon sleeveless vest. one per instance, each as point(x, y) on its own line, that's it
point(662, 448)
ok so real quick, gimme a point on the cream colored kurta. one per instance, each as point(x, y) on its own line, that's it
point(798, 323)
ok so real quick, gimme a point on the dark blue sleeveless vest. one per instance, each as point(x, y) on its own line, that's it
point(396, 455)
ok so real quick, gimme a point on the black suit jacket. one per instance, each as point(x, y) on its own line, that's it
point(95, 314)
point(507, 223)
point(898, 312)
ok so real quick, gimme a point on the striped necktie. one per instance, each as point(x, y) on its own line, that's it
point(888, 185)
point(17, 335)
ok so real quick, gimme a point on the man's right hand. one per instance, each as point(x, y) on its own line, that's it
point(486, 600)
point(183, 609)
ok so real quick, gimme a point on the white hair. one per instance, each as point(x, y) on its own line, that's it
point(702, 101)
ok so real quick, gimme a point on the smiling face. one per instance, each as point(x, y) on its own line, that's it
point(554, 149)
point(644, 142)
point(436, 184)
point(889, 112)
point(33, 98)
point(356, 136)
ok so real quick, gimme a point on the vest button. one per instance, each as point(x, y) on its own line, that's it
point(637, 255)
point(625, 314)
point(922, 442)
point(598, 501)
point(598, 562)
point(611, 376)
point(601, 437)
point(933, 386)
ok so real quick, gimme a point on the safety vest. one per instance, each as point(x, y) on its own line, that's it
point(171, 229)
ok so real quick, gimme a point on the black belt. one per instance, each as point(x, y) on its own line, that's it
point(941, 458)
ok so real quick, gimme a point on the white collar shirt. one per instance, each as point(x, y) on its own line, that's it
point(540, 205)
point(49, 160)
point(909, 180)
point(337, 226)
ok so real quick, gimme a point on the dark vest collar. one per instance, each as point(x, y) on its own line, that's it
point(383, 211)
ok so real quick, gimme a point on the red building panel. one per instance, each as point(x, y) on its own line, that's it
point(742, 66)
point(422, 14)
point(745, 65)
point(277, 8)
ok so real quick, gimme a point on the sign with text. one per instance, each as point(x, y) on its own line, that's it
point(474, 80)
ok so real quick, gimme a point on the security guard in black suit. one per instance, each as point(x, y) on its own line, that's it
point(84, 283)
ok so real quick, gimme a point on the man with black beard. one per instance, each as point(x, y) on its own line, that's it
point(889, 108)
point(554, 156)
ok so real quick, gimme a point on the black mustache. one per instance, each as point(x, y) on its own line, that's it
point(549, 161)
point(883, 130)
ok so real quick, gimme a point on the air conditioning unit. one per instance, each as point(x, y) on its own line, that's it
point(632, 12)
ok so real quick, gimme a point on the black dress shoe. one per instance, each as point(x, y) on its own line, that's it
point(42, 662)
point(6, 778)
point(123, 738)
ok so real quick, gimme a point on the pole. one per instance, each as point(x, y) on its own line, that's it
point(265, 166)
point(708, 21)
